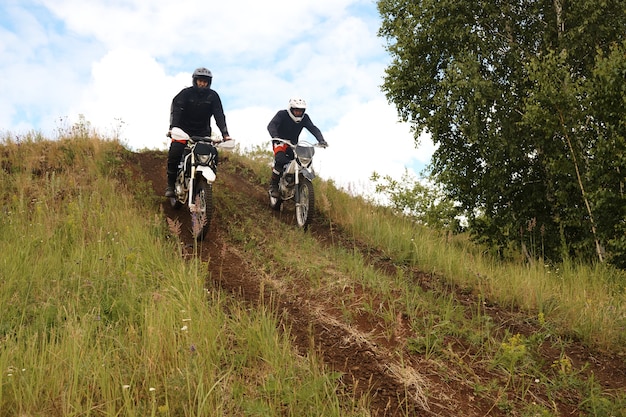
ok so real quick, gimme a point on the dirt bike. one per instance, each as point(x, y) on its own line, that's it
point(195, 177)
point(295, 182)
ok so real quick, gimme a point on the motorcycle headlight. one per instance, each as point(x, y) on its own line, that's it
point(304, 161)
point(203, 153)
point(305, 154)
point(203, 159)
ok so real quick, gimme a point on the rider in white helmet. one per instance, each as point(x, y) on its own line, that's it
point(287, 124)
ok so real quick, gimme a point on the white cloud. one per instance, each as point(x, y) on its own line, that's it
point(130, 90)
point(231, 27)
point(366, 140)
point(120, 62)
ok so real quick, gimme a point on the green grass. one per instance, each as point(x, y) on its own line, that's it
point(102, 317)
point(586, 301)
point(566, 303)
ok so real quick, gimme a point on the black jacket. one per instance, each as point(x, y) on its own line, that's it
point(192, 110)
point(282, 126)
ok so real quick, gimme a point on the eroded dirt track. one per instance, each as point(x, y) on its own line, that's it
point(397, 385)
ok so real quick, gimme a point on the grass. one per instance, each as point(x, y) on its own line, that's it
point(587, 301)
point(102, 316)
point(565, 303)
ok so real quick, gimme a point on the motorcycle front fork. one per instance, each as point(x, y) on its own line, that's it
point(289, 181)
point(182, 183)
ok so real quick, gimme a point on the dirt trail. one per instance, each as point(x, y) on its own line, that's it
point(368, 361)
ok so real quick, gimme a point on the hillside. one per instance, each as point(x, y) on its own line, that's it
point(333, 320)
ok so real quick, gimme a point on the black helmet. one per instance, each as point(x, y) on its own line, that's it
point(202, 74)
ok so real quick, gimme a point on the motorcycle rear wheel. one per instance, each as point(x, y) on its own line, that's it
point(305, 205)
point(201, 215)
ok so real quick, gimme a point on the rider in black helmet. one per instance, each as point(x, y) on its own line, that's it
point(288, 124)
point(192, 109)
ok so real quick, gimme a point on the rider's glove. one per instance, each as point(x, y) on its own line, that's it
point(323, 143)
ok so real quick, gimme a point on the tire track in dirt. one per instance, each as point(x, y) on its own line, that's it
point(367, 368)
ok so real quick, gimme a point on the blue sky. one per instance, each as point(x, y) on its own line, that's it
point(119, 63)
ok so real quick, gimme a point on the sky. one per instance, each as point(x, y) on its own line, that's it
point(118, 64)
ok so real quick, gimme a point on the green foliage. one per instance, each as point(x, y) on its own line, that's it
point(426, 203)
point(597, 404)
point(608, 170)
point(525, 101)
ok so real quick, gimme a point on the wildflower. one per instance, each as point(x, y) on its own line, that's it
point(563, 365)
point(184, 328)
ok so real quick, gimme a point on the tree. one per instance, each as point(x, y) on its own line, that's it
point(418, 199)
point(608, 167)
point(507, 91)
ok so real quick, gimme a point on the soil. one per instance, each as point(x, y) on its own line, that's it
point(405, 384)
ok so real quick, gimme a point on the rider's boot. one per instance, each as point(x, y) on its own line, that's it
point(274, 185)
point(171, 180)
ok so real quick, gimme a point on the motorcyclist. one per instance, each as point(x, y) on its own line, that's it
point(191, 111)
point(288, 124)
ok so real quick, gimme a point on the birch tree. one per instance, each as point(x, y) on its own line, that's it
point(508, 90)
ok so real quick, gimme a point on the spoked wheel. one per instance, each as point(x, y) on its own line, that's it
point(305, 204)
point(202, 210)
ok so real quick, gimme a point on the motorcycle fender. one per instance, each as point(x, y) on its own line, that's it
point(206, 172)
point(309, 175)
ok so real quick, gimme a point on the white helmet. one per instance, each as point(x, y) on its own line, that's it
point(296, 104)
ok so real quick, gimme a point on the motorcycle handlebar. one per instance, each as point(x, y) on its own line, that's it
point(213, 141)
point(178, 134)
point(201, 139)
point(300, 142)
point(195, 138)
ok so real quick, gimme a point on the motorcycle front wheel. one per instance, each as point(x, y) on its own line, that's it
point(305, 204)
point(203, 209)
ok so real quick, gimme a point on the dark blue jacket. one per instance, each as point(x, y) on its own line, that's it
point(282, 126)
point(192, 110)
